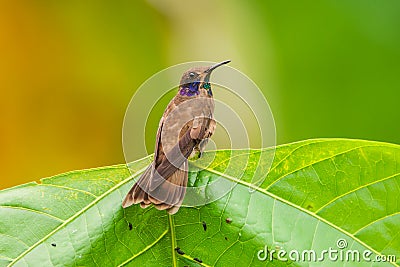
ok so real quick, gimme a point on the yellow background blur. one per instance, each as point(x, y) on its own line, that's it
point(69, 68)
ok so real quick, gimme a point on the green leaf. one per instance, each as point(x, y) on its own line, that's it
point(316, 193)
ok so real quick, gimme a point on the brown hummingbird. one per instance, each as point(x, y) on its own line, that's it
point(183, 132)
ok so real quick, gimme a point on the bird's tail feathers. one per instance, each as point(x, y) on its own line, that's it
point(165, 194)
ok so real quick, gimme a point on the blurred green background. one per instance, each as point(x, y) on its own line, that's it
point(69, 68)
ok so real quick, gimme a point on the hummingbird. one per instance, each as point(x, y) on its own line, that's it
point(183, 132)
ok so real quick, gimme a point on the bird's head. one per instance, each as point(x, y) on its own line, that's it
point(196, 79)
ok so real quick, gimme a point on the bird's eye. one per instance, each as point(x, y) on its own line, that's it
point(191, 74)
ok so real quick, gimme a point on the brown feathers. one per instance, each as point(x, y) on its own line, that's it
point(186, 124)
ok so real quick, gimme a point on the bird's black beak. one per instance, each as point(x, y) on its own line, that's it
point(213, 67)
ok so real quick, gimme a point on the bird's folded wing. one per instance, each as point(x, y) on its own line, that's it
point(174, 158)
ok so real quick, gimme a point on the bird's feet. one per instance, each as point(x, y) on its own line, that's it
point(196, 154)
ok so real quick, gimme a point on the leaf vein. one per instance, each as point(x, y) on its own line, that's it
point(70, 188)
point(357, 189)
point(377, 220)
point(275, 197)
point(34, 211)
point(77, 215)
point(145, 249)
point(316, 162)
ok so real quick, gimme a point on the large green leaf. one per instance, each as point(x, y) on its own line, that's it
point(316, 193)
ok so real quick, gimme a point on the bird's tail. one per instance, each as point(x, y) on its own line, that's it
point(164, 185)
point(167, 194)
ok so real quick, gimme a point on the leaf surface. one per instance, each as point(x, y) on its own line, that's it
point(315, 193)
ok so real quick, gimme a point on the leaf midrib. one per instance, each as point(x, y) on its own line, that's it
point(261, 190)
point(173, 239)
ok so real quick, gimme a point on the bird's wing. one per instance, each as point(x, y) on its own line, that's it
point(167, 164)
point(158, 150)
point(203, 128)
point(173, 161)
